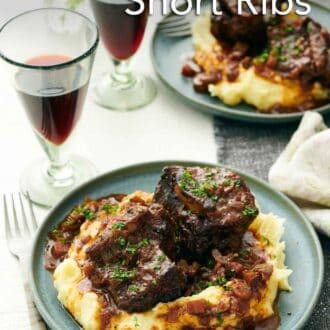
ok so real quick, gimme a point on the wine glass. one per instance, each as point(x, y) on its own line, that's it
point(122, 35)
point(49, 55)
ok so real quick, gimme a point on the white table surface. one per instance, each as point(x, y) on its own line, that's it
point(166, 129)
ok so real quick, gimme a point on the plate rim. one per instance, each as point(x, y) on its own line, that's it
point(49, 319)
point(233, 113)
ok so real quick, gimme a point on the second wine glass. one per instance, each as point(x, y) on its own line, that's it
point(122, 35)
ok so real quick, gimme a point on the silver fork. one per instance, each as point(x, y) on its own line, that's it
point(19, 238)
point(177, 26)
point(174, 26)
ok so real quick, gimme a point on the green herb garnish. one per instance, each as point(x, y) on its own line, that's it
point(289, 29)
point(221, 280)
point(144, 242)
point(89, 215)
point(226, 183)
point(263, 57)
point(131, 249)
point(186, 180)
point(272, 20)
point(123, 275)
point(118, 225)
point(237, 183)
point(199, 192)
point(250, 211)
point(161, 258)
point(265, 240)
point(110, 209)
point(309, 28)
point(121, 241)
point(230, 273)
point(133, 288)
point(210, 263)
point(136, 323)
point(218, 315)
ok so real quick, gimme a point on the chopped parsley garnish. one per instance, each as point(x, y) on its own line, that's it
point(263, 57)
point(228, 288)
point(210, 175)
point(123, 275)
point(110, 209)
point(186, 180)
point(230, 273)
point(244, 253)
point(297, 50)
point(289, 29)
point(237, 183)
point(118, 225)
point(250, 211)
point(136, 323)
point(278, 51)
point(133, 288)
point(131, 249)
point(202, 188)
point(144, 242)
point(265, 240)
point(121, 241)
point(55, 231)
point(309, 28)
point(218, 315)
point(89, 215)
point(161, 258)
point(69, 222)
point(221, 280)
point(272, 20)
point(199, 192)
point(226, 183)
point(283, 58)
point(210, 263)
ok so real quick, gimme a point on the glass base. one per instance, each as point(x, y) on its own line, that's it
point(43, 191)
point(110, 94)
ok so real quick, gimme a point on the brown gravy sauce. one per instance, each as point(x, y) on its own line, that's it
point(248, 274)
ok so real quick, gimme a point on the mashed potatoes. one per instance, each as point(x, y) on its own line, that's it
point(84, 304)
point(249, 87)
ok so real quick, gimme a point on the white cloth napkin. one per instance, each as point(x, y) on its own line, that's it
point(302, 171)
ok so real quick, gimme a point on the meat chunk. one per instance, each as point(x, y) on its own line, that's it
point(131, 259)
point(232, 27)
point(301, 50)
point(210, 208)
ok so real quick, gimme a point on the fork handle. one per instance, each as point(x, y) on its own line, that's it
point(35, 319)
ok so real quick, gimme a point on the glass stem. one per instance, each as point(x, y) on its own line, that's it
point(122, 75)
point(59, 171)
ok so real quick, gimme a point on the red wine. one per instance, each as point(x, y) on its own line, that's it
point(53, 99)
point(121, 33)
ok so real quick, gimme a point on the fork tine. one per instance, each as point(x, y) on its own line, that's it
point(179, 25)
point(181, 33)
point(25, 221)
point(33, 217)
point(17, 230)
point(170, 20)
point(174, 30)
point(7, 226)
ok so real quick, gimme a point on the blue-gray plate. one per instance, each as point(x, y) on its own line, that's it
point(166, 54)
point(303, 251)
